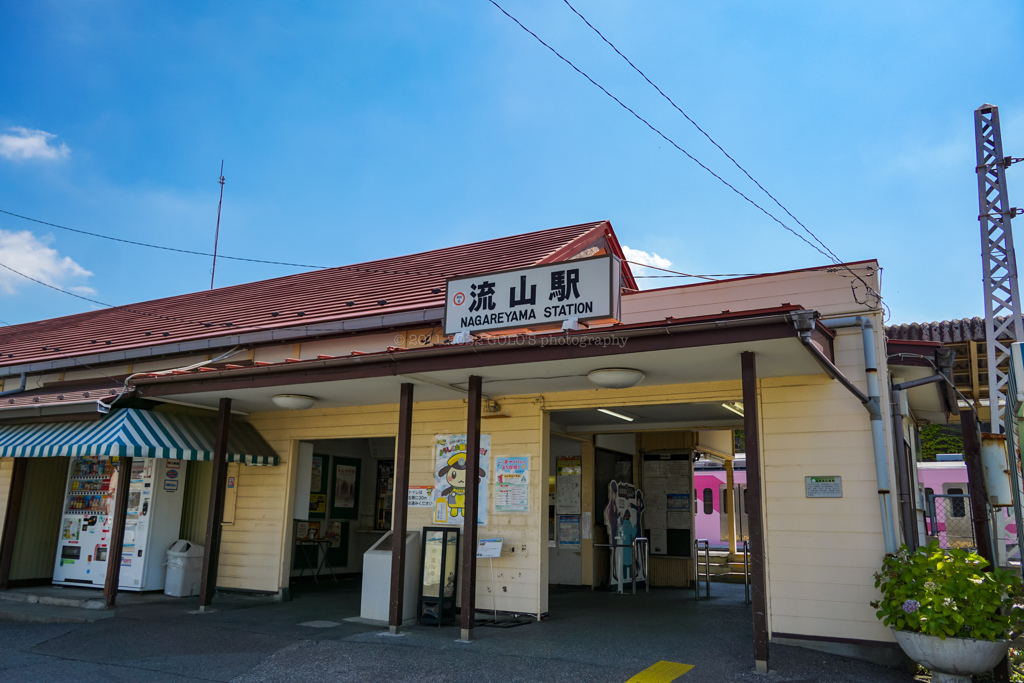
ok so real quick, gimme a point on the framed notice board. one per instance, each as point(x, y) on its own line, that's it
point(318, 487)
point(668, 489)
point(345, 488)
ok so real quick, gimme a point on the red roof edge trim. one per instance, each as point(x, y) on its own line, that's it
point(602, 229)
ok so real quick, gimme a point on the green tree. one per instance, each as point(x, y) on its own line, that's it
point(940, 439)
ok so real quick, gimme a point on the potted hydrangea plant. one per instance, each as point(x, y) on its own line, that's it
point(947, 613)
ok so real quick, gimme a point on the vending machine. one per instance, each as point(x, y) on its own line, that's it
point(155, 496)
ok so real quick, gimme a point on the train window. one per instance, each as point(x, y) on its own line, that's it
point(696, 510)
point(709, 504)
point(957, 505)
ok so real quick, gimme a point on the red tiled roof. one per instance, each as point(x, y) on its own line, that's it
point(373, 288)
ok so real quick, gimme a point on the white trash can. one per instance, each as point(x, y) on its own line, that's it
point(184, 569)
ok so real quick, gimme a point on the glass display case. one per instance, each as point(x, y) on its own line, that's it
point(439, 558)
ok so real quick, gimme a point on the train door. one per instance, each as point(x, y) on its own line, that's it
point(739, 499)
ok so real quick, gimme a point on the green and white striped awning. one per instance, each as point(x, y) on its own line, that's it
point(135, 433)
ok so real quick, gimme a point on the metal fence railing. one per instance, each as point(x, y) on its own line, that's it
point(949, 520)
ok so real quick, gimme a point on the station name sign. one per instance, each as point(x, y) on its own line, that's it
point(586, 289)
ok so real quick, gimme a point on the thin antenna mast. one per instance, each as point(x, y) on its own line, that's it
point(216, 238)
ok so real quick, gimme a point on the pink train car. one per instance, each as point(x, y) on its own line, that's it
point(949, 521)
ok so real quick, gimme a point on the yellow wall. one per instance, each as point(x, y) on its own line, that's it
point(520, 574)
point(6, 469)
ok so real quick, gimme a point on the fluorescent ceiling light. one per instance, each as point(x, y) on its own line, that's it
point(734, 406)
point(621, 416)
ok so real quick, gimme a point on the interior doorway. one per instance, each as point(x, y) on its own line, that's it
point(344, 493)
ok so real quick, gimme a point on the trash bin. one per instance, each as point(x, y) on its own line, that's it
point(184, 569)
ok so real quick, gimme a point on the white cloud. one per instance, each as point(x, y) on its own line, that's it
point(28, 255)
point(20, 144)
point(646, 258)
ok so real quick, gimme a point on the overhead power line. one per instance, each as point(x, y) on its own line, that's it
point(702, 131)
point(221, 256)
point(660, 134)
point(823, 250)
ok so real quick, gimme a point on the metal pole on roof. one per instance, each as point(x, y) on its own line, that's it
point(999, 262)
point(216, 237)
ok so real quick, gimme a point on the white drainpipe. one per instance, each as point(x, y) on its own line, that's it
point(874, 409)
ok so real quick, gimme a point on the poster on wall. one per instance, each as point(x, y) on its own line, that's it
point(345, 488)
point(451, 478)
point(316, 474)
point(569, 532)
point(318, 488)
point(512, 483)
point(568, 485)
point(334, 534)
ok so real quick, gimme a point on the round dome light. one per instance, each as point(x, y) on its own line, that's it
point(615, 378)
point(293, 401)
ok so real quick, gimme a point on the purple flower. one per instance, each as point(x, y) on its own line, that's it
point(911, 606)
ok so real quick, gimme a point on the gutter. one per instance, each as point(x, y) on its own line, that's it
point(264, 336)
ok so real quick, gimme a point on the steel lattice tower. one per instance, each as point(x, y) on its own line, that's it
point(1002, 296)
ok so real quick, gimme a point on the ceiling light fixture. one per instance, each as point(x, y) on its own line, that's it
point(293, 401)
point(735, 407)
point(615, 378)
point(621, 416)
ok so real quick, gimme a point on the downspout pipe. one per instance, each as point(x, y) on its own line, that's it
point(20, 389)
point(874, 408)
point(905, 493)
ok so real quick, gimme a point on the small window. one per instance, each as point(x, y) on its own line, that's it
point(957, 505)
point(696, 510)
point(709, 503)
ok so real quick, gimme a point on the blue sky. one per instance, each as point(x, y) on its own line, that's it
point(360, 130)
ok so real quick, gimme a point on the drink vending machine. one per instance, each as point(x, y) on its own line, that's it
point(155, 497)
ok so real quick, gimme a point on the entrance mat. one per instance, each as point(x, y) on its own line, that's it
point(509, 623)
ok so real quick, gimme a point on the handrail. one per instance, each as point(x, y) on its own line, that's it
point(647, 562)
point(707, 568)
point(746, 572)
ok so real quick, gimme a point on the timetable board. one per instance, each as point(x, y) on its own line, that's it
point(668, 494)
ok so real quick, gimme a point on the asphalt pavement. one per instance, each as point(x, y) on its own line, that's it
point(589, 636)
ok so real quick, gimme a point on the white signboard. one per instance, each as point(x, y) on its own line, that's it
point(421, 496)
point(488, 548)
point(531, 297)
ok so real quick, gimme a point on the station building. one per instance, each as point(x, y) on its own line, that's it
point(313, 411)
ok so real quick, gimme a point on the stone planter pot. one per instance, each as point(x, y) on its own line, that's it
point(953, 660)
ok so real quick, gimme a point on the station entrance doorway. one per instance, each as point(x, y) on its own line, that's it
point(344, 492)
point(619, 474)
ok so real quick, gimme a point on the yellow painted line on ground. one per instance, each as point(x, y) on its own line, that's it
point(661, 672)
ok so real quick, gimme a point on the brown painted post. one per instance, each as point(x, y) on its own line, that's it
point(976, 485)
point(116, 545)
point(10, 534)
point(472, 507)
point(211, 554)
point(400, 513)
point(758, 588)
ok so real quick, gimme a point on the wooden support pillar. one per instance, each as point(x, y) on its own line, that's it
point(976, 485)
point(758, 587)
point(10, 534)
point(116, 544)
point(730, 504)
point(472, 507)
point(211, 553)
point(400, 513)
